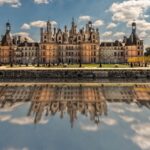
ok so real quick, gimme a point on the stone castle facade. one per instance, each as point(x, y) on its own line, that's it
point(68, 46)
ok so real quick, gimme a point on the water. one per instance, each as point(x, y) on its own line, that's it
point(83, 116)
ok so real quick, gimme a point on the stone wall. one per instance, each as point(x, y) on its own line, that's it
point(74, 73)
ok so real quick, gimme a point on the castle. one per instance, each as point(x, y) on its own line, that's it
point(70, 46)
point(46, 100)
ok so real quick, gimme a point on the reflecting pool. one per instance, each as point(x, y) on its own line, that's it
point(74, 116)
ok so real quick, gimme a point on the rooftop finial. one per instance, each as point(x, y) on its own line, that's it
point(72, 19)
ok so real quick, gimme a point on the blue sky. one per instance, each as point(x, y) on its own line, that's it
point(112, 17)
point(125, 128)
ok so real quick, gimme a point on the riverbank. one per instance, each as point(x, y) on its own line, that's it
point(74, 73)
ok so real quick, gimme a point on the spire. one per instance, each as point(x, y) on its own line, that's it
point(134, 27)
point(65, 28)
point(133, 37)
point(73, 23)
point(8, 27)
point(7, 38)
point(73, 27)
point(48, 26)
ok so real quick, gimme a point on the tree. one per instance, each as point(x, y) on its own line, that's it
point(11, 56)
point(100, 64)
point(80, 64)
point(147, 52)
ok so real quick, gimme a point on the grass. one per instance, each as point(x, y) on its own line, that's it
point(74, 66)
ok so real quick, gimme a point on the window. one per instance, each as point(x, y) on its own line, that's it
point(43, 53)
point(122, 53)
point(94, 60)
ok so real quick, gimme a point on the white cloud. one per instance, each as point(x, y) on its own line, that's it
point(107, 34)
point(98, 23)
point(92, 128)
point(25, 26)
point(13, 148)
point(38, 24)
point(142, 136)
point(117, 110)
point(142, 142)
point(109, 121)
point(22, 121)
point(24, 35)
point(108, 40)
point(143, 35)
point(26, 121)
point(111, 26)
point(129, 10)
point(41, 24)
point(146, 16)
point(42, 1)
point(4, 117)
point(85, 18)
point(10, 109)
point(12, 3)
point(133, 109)
point(142, 25)
point(119, 34)
point(128, 118)
point(53, 23)
point(142, 129)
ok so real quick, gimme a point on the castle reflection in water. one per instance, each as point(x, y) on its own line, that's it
point(89, 100)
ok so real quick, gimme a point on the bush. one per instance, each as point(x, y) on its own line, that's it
point(65, 65)
point(116, 65)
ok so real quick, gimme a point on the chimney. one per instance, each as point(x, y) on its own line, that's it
point(54, 31)
point(15, 40)
point(41, 34)
point(19, 39)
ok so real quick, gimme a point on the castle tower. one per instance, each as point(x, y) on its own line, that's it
point(73, 27)
point(49, 27)
point(7, 39)
point(41, 35)
point(134, 28)
point(8, 27)
point(90, 25)
point(49, 31)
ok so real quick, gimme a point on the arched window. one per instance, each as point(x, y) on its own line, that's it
point(59, 38)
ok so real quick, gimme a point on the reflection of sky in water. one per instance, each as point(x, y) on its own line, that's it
point(24, 126)
point(125, 127)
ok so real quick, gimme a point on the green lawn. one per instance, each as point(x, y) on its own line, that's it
point(75, 66)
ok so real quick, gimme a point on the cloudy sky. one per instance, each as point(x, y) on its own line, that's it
point(112, 17)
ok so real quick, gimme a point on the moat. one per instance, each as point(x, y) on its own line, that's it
point(35, 116)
